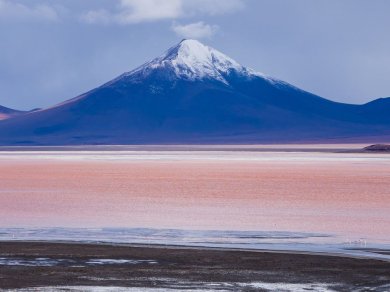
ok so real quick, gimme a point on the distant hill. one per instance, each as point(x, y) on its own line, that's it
point(196, 94)
point(377, 148)
point(6, 113)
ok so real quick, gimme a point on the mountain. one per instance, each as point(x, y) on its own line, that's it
point(6, 113)
point(196, 94)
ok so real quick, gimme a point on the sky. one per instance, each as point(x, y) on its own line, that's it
point(53, 50)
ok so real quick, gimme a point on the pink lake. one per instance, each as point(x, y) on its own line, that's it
point(338, 193)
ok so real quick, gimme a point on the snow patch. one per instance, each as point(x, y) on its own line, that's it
point(50, 262)
point(118, 261)
point(37, 262)
point(289, 287)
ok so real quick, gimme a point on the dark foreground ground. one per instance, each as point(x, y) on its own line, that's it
point(40, 264)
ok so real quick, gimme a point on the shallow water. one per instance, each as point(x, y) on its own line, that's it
point(251, 240)
point(343, 195)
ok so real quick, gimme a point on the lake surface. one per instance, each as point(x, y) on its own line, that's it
point(335, 198)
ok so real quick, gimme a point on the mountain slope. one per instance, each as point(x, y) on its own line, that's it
point(195, 94)
point(6, 113)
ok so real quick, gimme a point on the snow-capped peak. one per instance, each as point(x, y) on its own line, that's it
point(192, 60)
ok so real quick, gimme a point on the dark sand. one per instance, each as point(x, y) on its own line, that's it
point(185, 268)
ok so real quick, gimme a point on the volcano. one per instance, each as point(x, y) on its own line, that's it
point(194, 94)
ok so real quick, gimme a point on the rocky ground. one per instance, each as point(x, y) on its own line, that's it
point(43, 264)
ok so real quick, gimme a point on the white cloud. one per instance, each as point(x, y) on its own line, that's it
point(136, 11)
point(197, 30)
point(15, 11)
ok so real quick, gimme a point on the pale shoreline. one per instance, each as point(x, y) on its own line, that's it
point(320, 147)
point(210, 248)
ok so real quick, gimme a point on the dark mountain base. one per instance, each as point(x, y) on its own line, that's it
point(377, 148)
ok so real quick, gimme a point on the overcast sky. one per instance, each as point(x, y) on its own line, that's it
point(52, 50)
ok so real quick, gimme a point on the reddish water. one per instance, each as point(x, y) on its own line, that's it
point(347, 194)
